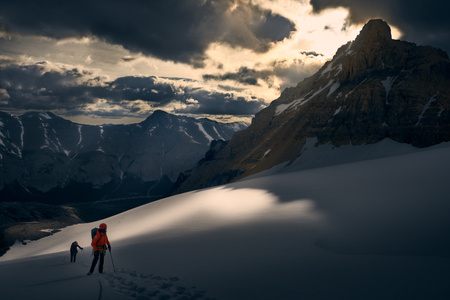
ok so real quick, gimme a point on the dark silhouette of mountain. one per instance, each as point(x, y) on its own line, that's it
point(48, 159)
point(374, 88)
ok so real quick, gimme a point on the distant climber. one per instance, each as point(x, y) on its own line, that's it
point(74, 251)
point(100, 244)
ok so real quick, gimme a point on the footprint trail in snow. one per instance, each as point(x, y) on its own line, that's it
point(149, 286)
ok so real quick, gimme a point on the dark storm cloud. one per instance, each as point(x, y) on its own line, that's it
point(31, 87)
point(4, 61)
point(311, 53)
point(222, 104)
point(179, 31)
point(199, 101)
point(45, 88)
point(139, 88)
point(422, 22)
point(290, 72)
point(244, 75)
point(127, 59)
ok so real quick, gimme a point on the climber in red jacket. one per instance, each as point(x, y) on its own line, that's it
point(100, 244)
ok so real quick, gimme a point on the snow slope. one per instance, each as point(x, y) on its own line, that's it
point(368, 229)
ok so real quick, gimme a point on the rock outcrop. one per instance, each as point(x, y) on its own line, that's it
point(373, 88)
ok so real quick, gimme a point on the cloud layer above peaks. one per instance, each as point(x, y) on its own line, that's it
point(179, 31)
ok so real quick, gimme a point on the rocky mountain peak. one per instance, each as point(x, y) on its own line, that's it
point(156, 116)
point(159, 113)
point(372, 50)
point(374, 88)
point(374, 34)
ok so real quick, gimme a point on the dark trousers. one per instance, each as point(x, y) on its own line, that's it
point(97, 254)
point(73, 256)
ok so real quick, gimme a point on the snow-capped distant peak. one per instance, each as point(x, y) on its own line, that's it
point(45, 116)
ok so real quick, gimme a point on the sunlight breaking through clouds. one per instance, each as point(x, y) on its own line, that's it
point(271, 39)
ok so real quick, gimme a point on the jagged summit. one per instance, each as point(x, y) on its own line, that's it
point(375, 33)
point(374, 88)
point(158, 113)
point(375, 51)
point(158, 116)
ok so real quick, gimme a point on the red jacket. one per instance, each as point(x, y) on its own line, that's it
point(100, 241)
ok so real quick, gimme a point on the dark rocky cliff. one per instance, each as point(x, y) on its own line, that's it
point(373, 88)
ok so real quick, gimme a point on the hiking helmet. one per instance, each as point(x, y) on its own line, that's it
point(102, 226)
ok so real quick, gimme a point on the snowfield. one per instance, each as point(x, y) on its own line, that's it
point(354, 222)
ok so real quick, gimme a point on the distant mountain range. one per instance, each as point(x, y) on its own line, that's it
point(46, 158)
point(374, 88)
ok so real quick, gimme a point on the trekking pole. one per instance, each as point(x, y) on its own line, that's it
point(110, 254)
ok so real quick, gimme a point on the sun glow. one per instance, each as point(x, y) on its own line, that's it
point(286, 62)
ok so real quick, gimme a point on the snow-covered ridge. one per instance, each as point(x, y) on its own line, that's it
point(353, 223)
point(236, 126)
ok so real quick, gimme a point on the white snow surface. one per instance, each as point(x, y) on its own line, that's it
point(80, 134)
point(299, 102)
point(333, 88)
point(188, 135)
point(282, 107)
point(338, 110)
point(327, 69)
point(426, 107)
point(388, 84)
point(202, 129)
point(218, 134)
point(372, 225)
point(45, 116)
point(22, 133)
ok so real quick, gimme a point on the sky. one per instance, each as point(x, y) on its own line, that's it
point(98, 62)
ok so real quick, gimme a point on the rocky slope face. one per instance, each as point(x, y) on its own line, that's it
point(49, 159)
point(373, 88)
